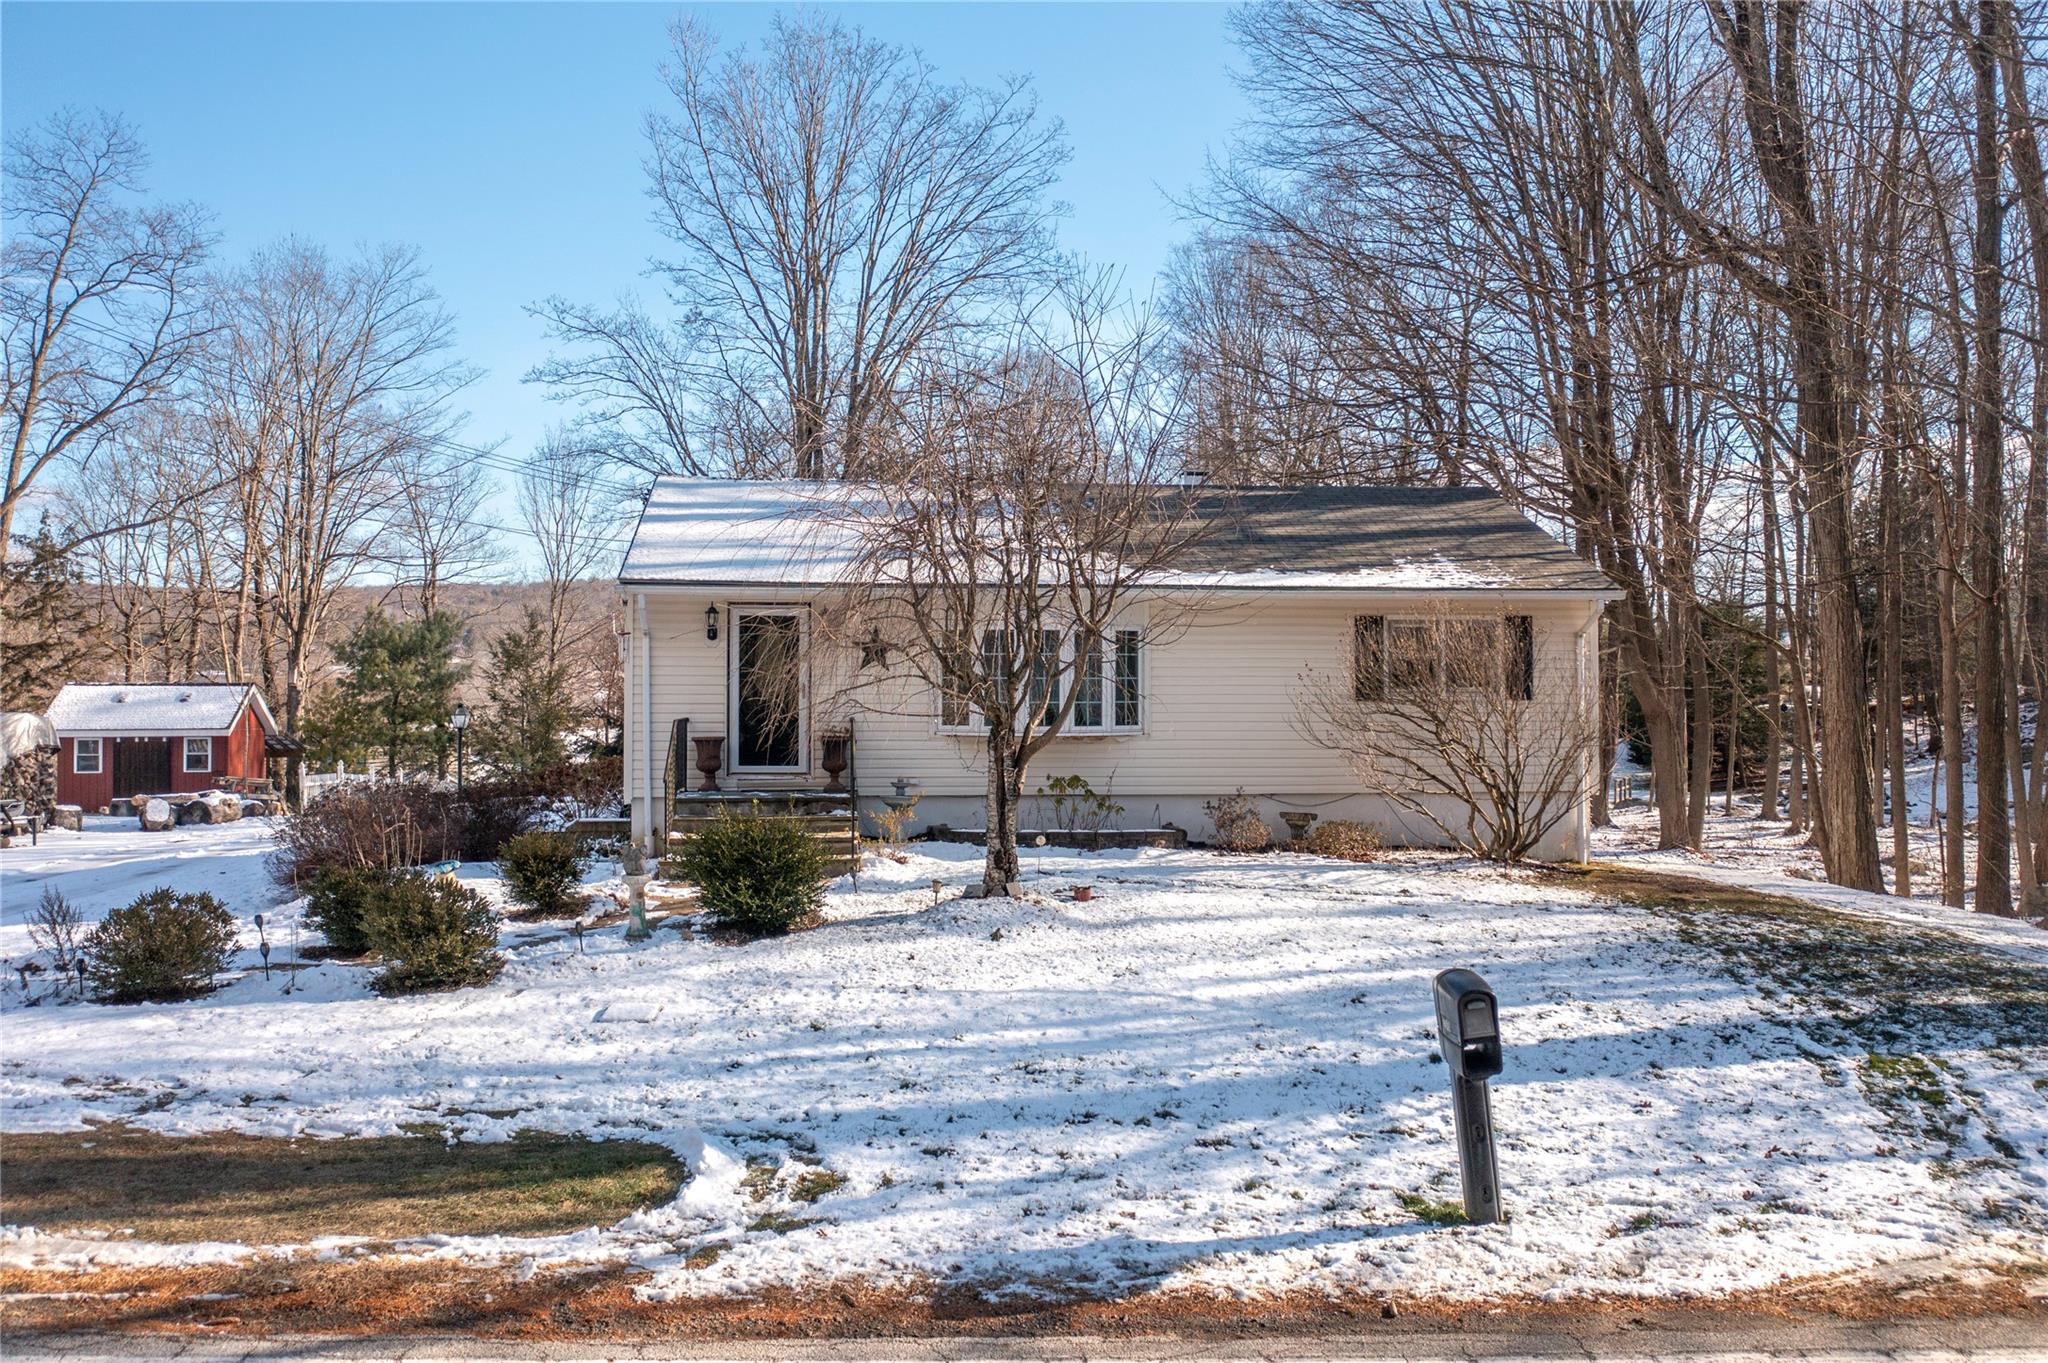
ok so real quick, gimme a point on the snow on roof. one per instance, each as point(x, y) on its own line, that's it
point(168, 708)
point(725, 532)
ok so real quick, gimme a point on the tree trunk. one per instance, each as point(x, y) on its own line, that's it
point(1890, 662)
point(1005, 795)
point(1952, 888)
point(1987, 441)
point(1773, 692)
point(1700, 787)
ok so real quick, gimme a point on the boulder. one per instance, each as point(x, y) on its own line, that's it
point(156, 814)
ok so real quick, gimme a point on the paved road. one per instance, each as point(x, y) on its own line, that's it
point(1979, 1341)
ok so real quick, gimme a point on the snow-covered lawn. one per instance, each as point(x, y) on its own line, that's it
point(1220, 1073)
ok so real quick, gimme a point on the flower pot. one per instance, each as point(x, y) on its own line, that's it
point(837, 751)
point(1083, 893)
point(710, 756)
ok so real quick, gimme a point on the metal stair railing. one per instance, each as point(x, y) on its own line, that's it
point(678, 742)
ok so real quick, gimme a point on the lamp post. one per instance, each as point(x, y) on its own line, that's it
point(458, 722)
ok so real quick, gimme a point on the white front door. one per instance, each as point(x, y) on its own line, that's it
point(769, 689)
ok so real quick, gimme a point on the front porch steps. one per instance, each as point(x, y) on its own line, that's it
point(828, 816)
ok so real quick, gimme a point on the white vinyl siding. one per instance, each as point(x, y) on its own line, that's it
point(1215, 695)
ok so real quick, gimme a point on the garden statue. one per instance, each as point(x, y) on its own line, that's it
point(636, 869)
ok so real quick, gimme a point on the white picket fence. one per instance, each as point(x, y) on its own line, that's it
point(314, 784)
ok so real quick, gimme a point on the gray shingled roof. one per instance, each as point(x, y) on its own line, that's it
point(725, 532)
point(1337, 530)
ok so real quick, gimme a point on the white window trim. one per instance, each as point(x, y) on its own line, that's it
point(188, 767)
point(1070, 681)
point(802, 615)
point(99, 757)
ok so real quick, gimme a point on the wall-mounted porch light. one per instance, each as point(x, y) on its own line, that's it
point(711, 623)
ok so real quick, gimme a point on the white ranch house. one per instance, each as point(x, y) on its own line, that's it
point(725, 578)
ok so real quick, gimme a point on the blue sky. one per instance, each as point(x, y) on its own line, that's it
point(504, 140)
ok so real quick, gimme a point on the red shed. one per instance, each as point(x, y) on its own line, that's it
point(157, 738)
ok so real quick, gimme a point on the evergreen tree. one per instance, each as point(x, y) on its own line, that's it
point(396, 691)
point(49, 632)
point(531, 706)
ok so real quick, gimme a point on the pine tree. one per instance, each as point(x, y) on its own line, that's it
point(531, 705)
point(396, 692)
point(49, 633)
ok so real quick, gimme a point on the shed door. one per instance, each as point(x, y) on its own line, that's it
point(142, 766)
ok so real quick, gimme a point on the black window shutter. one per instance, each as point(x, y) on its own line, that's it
point(1521, 657)
point(1369, 657)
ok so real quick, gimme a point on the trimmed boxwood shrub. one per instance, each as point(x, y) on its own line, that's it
point(434, 932)
point(544, 871)
point(759, 875)
point(336, 901)
point(164, 946)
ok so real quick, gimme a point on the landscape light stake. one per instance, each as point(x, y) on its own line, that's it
point(291, 978)
point(263, 945)
point(1468, 1033)
point(79, 966)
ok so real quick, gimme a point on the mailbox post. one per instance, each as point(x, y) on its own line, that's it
point(1468, 1032)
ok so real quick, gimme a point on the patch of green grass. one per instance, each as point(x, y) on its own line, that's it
point(779, 1223)
point(759, 1180)
point(1878, 1000)
point(813, 1184)
point(1429, 1209)
point(268, 1190)
point(704, 1256)
point(1909, 1091)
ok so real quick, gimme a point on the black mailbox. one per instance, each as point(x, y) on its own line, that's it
point(1467, 1025)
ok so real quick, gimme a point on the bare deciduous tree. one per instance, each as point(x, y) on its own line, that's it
point(837, 209)
point(97, 295)
point(331, 412)
point(1036, 502)
point(1447, 719)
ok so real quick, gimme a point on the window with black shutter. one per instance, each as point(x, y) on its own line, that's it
point(1521, 657)
point(1369, 657)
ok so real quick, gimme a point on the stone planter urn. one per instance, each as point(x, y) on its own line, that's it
point(1297, 822)
point(837, 752)
point(710, 756)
